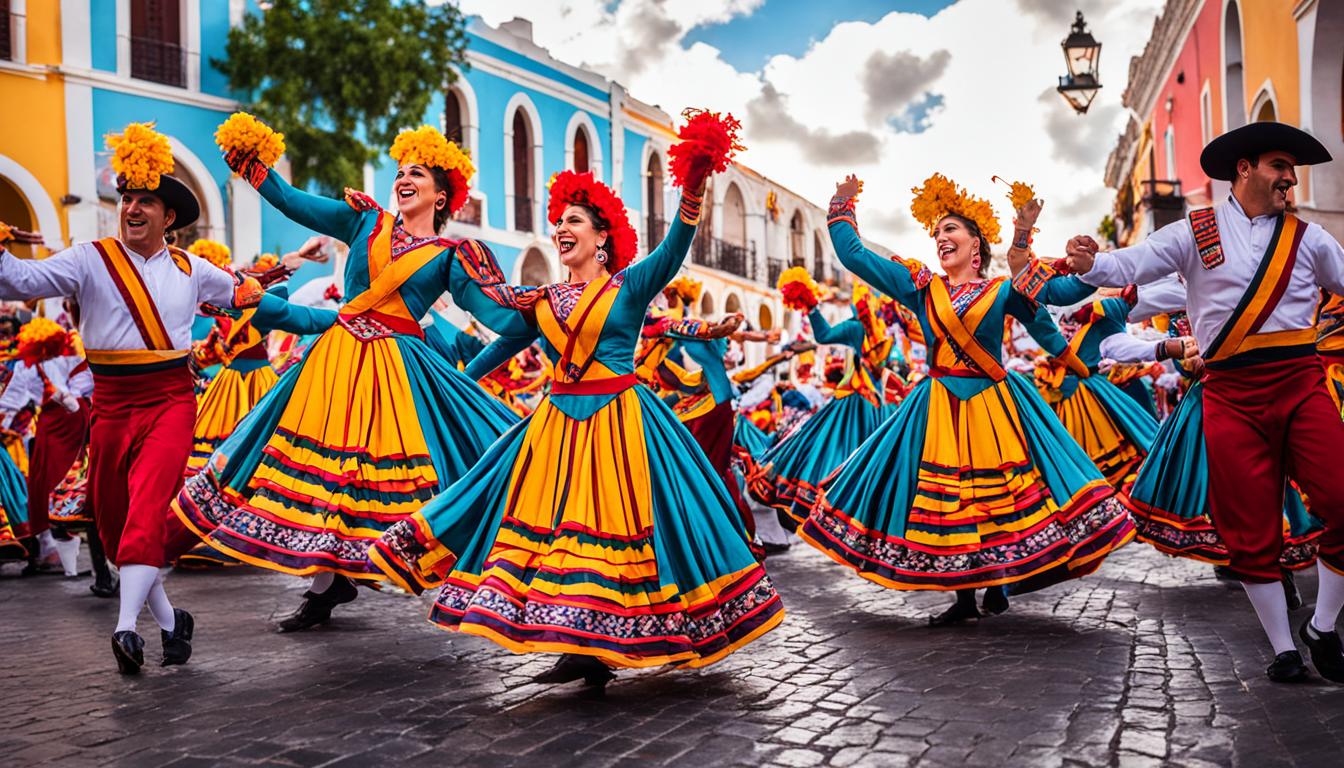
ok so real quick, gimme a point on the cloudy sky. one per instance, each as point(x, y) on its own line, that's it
point(890, 90)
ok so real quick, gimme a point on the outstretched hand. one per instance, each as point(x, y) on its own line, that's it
point(850, 187)
point(25, 237)
point(1081, 254)
point(313, 249)
point(1026, 215)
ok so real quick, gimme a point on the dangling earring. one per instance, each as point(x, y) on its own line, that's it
point(601, 255)
point(975, 262)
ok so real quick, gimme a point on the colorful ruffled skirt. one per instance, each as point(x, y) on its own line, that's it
point(972, 484)
point(751, 441)
point(68, 508)
point(353, 438)
point(13, 510)
point(1110, 426)
point(1170, 496)
point(609, 536)
point(231, 394)
point(791, 472)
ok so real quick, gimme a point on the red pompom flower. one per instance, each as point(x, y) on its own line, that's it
point(707, 144)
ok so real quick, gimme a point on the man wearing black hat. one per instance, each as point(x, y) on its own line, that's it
point(138, 298)
point(1254, 270)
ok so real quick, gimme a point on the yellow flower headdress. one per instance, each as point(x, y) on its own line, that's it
point(141, 156)
point(214, 252)
point(939, 196)
point(687, 287)
point(427, 146)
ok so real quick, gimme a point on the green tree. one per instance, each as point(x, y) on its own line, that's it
point(1107, 228)
point(340, 78)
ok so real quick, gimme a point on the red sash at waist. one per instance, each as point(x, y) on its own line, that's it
point(613, 385)
point(371, 325)
point(154, 387)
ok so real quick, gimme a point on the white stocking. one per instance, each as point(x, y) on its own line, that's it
point(1271, 605)
point(159, 606)
point(322, 582)
point(68, 551)
point(1329, 598)
point(136, 583)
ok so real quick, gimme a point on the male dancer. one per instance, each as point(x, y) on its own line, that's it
point(1253, 271)
point(138, 298)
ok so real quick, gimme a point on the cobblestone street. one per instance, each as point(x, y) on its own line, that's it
point(1149, 662)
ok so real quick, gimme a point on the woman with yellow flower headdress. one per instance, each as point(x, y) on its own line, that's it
point(788, 475)
point(973, 483)
point(595, 529)
point(371, 423)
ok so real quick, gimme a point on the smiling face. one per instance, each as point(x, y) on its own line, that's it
point(957, 245)
point(1264, 184)
point(144, 219)
point(577, 237)
point(416, 192)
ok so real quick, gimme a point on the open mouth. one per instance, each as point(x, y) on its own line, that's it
point(566, 244)
point(945, 250)
point(135, 223)
point(405, 193)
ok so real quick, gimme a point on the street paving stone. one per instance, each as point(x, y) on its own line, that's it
point(1148, 662)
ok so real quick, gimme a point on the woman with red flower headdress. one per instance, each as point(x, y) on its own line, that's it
point(371, 423)
point(596, 528)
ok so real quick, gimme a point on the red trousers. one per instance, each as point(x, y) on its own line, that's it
point(60, 436)
point(714, 433)
point(1262, 423)
point(139, 440)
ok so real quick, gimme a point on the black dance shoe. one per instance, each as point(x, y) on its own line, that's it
point(104, 586)
point(959, 612)
point(129, 650)
point(1287, 668)
point(1326, 653)
point(316, 608)
point(995, 602)
point(574, 666)
point(1224, 574)
point(1290, 590)
point(177, 644)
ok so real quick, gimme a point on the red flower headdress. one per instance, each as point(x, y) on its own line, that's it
point(570, 188)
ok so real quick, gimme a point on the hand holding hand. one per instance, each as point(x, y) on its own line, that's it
point(1081, 254)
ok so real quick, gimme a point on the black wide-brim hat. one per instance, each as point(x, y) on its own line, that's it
point(175, 195)
point(1219, 158)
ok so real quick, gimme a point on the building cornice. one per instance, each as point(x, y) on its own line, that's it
point(522, 77)
point(1148, 71)
point(108, 81)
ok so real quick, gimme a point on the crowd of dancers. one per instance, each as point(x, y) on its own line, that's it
point(589, 469)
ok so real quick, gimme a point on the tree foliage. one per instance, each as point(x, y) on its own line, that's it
point(340, 78)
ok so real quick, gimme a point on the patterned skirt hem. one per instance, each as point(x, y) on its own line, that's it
point(189, 509)
point(1197, 539)
point(402, 547)
point(707, 633)
point(1095, 524)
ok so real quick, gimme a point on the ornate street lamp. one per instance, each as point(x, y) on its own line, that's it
point(1082, 53)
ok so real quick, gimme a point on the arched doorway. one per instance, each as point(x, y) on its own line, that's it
point(581, 163)
point(656, 224)
point(454, 117)
point(202, 227)
point(766, 316)
point(1234, 86)
point(706, 305)
point(732, 304)
point(1265, 111)
point(820, 263)
point(16, 212)
point(535, 270)
point(521, 151)
point(734, 217)
point(797, 239)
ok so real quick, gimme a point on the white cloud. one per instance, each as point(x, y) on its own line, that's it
point(997, 115)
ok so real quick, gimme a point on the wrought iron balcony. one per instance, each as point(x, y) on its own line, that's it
point(773, 269)
point(718, 254)
point(158, 61)
point(1161, 193)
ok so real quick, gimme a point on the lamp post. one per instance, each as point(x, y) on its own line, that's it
point(1082, 53)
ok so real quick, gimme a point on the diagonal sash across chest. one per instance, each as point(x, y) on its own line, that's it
point(1241, 333)
point(577, 335)
point(387, 275)
point(945, 316)
point(139, 303)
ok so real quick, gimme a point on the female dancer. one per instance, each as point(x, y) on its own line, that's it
point(596, 528)
point(371, 423)
point(974, 482)
point(793, 469)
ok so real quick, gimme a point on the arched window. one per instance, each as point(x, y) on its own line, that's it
point(1234, 88)
point(1265, 112)
point(522, 173)
point(766, 316)
point(653, 203)
point(202, 226)
point(535, 269)
point(454, 126)
point(706, 304)
point(581, 164)
point(819, 261)
point(733, 304)
point(156, 42)
point(797, 239)
point(734, 217)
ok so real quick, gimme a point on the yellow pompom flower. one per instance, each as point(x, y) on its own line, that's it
point(798, 289)
point(214, 252)
point(265, 261)
point(1019, 192)
point(939, 196)
point(42, 339)
point(140, 155)
point(687, 287)
point(427, 146)
point(245, 132)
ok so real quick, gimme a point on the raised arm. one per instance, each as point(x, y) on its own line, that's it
point(1169, 249)
point(274, 313)
point(901, 279)
point(848, 332)
point(1038, 282)
point(336, 218)
point(646, 277)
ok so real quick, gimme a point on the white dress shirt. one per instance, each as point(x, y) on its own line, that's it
point(1215, 293)
point(105, 320)
point(24, 387)
point(58, 373)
